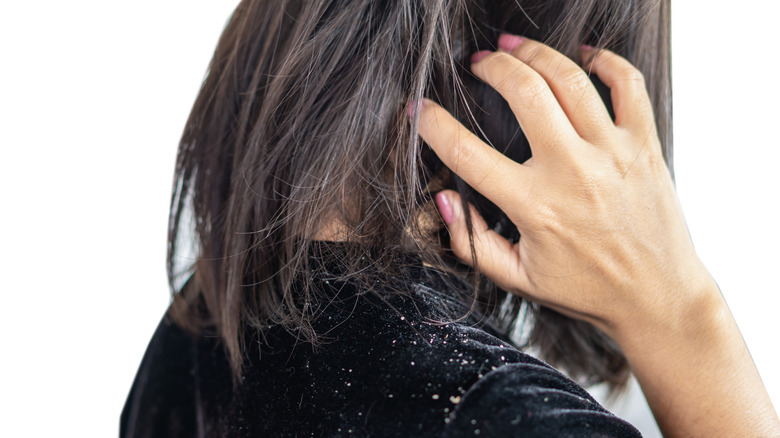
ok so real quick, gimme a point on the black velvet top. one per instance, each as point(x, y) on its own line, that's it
point(388, 367)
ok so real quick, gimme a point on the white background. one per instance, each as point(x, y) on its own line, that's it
point(93, 98)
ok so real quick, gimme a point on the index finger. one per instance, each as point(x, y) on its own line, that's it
point(481, 166)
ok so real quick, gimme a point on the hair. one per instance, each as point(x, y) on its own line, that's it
point(301, 122)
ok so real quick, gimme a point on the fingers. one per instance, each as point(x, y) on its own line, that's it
point(571, 86)
point(533, 103)
point(481, 166)
point(630, 101)
point(496, 256)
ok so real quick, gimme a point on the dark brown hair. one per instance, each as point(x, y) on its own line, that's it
point(301, 122)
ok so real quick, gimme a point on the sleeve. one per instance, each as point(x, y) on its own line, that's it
point(160, 402)
point(532, 400)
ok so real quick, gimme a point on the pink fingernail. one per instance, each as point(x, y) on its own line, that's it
point(587, 47)
point(507, 42)
point(476, 57)
point(414, 107)
point(445, 208)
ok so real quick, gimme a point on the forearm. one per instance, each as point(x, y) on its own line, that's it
point(697, 374)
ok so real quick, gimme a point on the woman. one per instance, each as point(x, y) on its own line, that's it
point(327, 299)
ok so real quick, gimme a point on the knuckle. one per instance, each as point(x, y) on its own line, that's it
point(507, 75)
point(533, 87)
point(495, 64)
point(532, 50)
point(549, 219)
point(464, 151)
point(655, 160)
point(461, 245)
point(428, 119)
point(632, 75)
point(575, 80)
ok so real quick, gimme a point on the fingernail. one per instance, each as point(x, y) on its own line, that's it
point(414, 107)
point(586, 47)
point(475, 58)
point(507, 42)
point(445, 208)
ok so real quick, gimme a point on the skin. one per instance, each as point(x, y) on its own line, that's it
point(603, 236)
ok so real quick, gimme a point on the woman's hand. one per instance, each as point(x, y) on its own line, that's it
point(603, 237)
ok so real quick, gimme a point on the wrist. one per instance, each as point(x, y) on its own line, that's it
point(692, 360)
point(693, 313)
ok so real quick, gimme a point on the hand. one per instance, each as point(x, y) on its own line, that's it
point(603, 236)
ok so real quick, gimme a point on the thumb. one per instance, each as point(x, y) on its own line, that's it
point(494, 256)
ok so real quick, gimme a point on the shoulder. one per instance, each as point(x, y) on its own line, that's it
point(398, 367)
point(488, 387)
point(532, 400)
point(161, 399)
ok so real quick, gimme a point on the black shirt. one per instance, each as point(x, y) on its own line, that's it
point(389, 365)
